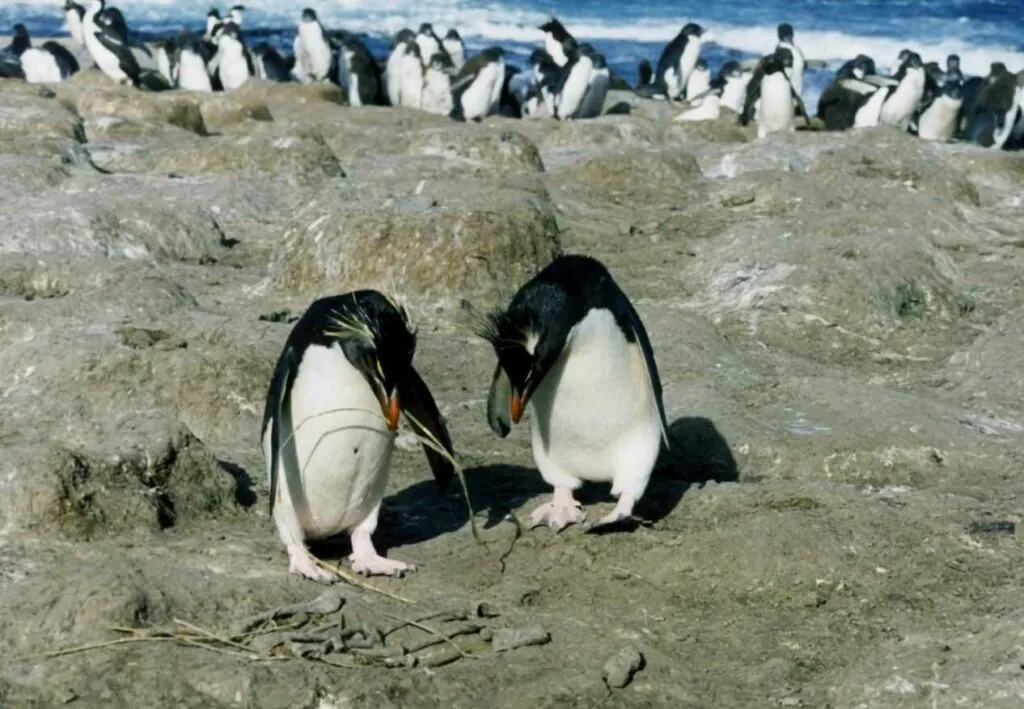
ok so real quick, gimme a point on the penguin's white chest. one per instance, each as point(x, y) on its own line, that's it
point(455, 51)
point(574, 89)
point(595, 412)
point(393, 74)
point(428, 47)
point(74, 22)
point(341, 443)
point(192, 75)
point(554, 48)
point(902, 102)
point(437, 93)
point(937, 123)
point(688, 61)
point(776, 110)
point(316, 50)
point(234, 71)
point(868, 114)
point(476, 100)
point(106, 60)
point(735, 92)
point(411, 81)
point(40, 67)
point(698, 83)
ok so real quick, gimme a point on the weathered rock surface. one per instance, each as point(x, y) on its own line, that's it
point(836, 320)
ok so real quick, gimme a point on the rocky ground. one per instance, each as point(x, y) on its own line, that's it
point(838, 323)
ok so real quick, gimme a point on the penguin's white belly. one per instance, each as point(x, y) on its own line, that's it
point(776, 111)
point(698, 83)
point(344, 452)
point(688, 62)
point(734, 93)
point(570, 99)
point(673, 86)
point(554, 48)
point(299, 70)
point(708, 109)
point(75, 27)
point(437, 93)
point(40, 67)
point(595, 414)
point(597, 90)
point(428, 47)
point(317, 51)
point(192, 74)
point(867, 115)
point(902, 102)
point(412, 82)
point(938, 121)
point(106, 60)
point(456, 52)
point(393, 75)
point(233, 72)
point(476, 100)
point(498, 85)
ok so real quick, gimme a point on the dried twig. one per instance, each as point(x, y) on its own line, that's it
point(515, 537)
point(354, 580)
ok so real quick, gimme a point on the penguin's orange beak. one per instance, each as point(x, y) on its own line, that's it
point(516, 404)
point(391, 407)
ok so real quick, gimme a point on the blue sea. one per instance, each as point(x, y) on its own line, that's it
point(980, 31)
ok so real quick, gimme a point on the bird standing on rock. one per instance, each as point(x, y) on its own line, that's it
point(572, 349)
point(341, 382)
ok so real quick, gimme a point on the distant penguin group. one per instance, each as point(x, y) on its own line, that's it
point(571, 350)
point(48, 63)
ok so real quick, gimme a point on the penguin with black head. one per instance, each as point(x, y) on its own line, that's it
point(344, 377)
point(679, 59)
point(573, 351)
point(772, 92)
point(555, 38)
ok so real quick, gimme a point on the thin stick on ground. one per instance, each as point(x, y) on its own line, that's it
point(354, 580)
point(426, 629)
point(93, 646)
point(212, 636)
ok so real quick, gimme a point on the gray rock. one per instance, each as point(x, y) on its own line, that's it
point(618, 671)
point(505, 639)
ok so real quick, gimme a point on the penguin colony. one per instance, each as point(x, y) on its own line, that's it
point(564, 79)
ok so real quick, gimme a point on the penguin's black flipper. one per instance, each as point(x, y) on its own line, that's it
point(422, 414)
point(129, 64)
point(498, 403)
point(650, 368)
point(753, 93)
point(279, 405)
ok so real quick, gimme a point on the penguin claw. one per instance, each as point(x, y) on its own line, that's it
point(305, 566)
point(376, 565)
point(557, 515)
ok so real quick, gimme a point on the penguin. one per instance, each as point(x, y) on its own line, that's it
point(213, 19)
point(733, 80)
point(796, 73)
point(108, 48)
point(455, 47)
point(546, 77)
point(411, 77)
point(428, 42)
point(990, 115)
point(572, 350)
point(598, 84)
point(73, 14)
point(847, 94)
point(938, 121)
point(270, 65)
point(902, 100)
point(10, 56)
point(48, 64)
point(542, 65)
point(191, 72)
point(555, 37)
point(707, 108)
point(437, 85)
point(644, 73)
point(699, 81)
point(358, 73)
point(678, 60)
point(953, 72)
point(573, 87)
point(235, 66)
point(111, 17)
point(236, 14)
point(901, 59)
point(393, 67)
point(770, 87)
point(510, 100)
point(312, 52)
point(477, 87)
point(343, 378)
point(165, 56)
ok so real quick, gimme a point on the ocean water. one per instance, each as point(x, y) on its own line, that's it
point(980, 31)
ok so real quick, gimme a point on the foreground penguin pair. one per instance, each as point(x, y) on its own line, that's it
point(571, 348)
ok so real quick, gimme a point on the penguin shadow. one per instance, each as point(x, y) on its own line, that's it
point(698, 454)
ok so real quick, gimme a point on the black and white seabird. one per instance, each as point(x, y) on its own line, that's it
point(772, 92)
point(342, 380)
point(991, 111)
point(213, 19)
point(572, 349)
point(938, 120)
point(455, 47)
point(476, 89)
point(847, 96)
point(678, 60)
point(428, 42)
point(728, 89)
point(108, 46)
point(584, 85)
point(437, 85)
point(359, 76)
point(395, 62)
point(796, 72)
point(555, 38)
point(235, 66)
point(194, 57)
point(699, 80)
point(903, 99)
point(313, 54)
point(236, 14)
point(73, 14)
point(50, 63)
point(10, 56)
point(270, 65)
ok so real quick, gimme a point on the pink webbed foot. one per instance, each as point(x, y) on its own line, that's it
point(560, 512)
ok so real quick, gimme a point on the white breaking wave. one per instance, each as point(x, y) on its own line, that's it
point(495, 23)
